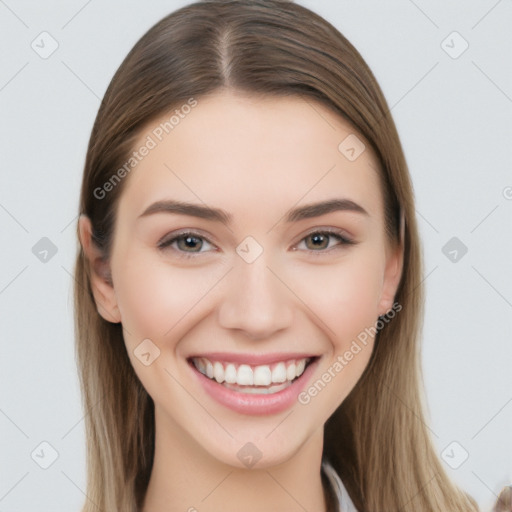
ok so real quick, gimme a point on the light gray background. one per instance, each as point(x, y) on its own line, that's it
point(453, 116)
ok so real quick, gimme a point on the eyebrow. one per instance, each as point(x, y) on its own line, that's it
point(218, 215)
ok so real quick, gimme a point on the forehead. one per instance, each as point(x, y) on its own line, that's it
point(232, 150)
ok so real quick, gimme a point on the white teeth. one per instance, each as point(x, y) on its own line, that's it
point(230, 374)
point(209, 369)
point(278, 377)
point(279, 373)
point(299, 369)
point(200, 365)
point(258, 390)
point(218, 372)
point(262, 376)
point(290, 372)
point(245, 375)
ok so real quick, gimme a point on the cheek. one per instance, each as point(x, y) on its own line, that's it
point(158, 302)
point(344, 296)
point(161, 301)
point(154, 297)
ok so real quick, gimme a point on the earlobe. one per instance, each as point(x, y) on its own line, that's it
point(392, 276)
point(101, 280)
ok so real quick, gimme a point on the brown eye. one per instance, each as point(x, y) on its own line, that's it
point(186, 244)
point(189, 242)
point(318, 241)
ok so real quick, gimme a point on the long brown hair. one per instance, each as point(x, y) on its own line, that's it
point(377, 440)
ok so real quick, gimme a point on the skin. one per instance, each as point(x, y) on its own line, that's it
point(255, 158)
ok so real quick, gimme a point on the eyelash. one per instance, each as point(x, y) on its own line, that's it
point(344, 241)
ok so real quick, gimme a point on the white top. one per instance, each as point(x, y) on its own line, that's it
point(345, 504)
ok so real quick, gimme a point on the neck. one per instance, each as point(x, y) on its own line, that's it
point(187, 478)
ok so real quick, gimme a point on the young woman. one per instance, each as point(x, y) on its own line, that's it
point(249, 280)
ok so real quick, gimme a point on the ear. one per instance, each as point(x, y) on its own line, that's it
point(392, 275)
point(101, 281)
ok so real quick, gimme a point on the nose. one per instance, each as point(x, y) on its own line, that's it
point(256, 300)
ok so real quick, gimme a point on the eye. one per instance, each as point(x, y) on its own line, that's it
point(321, 241)
point(188, 244)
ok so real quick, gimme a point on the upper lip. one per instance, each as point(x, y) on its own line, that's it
point(253, 359)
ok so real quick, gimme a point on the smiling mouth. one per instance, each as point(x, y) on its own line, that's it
point(252, 379)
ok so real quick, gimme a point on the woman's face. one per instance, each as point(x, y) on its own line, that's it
point(244, 283)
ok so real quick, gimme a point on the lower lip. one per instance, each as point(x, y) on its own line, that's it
point(260, 404)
